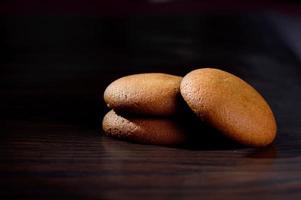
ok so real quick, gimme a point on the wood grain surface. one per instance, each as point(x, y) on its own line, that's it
point(54, 70)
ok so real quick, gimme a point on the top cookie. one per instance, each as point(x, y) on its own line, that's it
point(149, 93)
point(230, 105)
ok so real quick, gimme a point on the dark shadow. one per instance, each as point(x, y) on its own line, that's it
point(203, 137)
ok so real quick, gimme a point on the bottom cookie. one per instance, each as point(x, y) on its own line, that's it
point(144, 130)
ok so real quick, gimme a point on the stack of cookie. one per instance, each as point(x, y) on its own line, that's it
point(146, 108)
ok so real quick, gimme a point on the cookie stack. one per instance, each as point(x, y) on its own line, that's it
point(145, 108)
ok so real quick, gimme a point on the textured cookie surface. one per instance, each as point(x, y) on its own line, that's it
point(143, 130)
point(150, 94)
point(230, 105)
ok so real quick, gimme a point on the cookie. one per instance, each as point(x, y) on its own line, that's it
point(159, 131)
point(148, 94)
point(230, 105)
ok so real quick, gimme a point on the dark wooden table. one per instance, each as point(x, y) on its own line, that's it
point(54, 70)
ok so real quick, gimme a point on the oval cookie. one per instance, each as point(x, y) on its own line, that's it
point(143, 130)
point(149, 94)
point(230, 105)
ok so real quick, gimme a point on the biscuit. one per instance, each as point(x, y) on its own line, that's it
point(143, 130)
point(148, 94)
point(230, 105)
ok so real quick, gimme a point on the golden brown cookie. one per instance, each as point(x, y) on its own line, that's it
point(149, 94)
point(230, 105)
point(143, 130)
